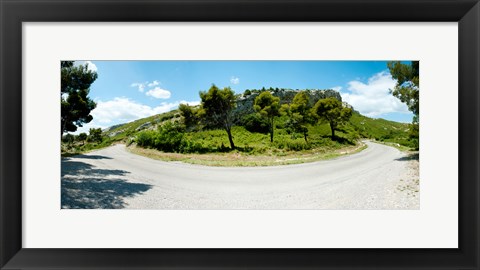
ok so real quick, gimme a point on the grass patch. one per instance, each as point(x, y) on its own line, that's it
point(73, 149)
point(241, 159)
point(400, 147)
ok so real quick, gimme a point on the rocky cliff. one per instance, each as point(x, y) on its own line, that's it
point(245, 100)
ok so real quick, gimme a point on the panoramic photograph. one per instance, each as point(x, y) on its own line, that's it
point(232, 135)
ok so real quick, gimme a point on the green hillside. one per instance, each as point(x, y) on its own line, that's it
point(382, 130)
point(166, 132)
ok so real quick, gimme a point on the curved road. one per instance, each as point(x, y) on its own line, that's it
point(379, 177)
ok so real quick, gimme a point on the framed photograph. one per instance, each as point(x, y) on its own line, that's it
point(239, 134)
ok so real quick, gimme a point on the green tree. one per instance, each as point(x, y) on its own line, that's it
point(333, 112)
point(255, 123)
point(75, 103)
point(68, 138)
point(217, 105)
point(95, 135)
point(82, 137)
point(268, 107)
point(189, 114)
point(300, 114)
point(407, 87)
point(169, 137)
point(407, 90)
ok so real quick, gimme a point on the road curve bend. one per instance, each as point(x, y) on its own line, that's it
point(379, 177)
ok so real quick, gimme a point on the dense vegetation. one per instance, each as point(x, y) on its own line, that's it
point(286, 139)
point(190, 131)
point(75, 144)
point(299, 125)
point(407, 89)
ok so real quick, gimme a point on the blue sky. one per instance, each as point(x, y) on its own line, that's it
point(129, 90)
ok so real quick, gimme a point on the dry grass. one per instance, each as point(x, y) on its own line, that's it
point(239, 159)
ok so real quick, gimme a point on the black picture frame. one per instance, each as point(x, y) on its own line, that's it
point(14, 12)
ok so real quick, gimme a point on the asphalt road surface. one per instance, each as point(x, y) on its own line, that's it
point(379, 177)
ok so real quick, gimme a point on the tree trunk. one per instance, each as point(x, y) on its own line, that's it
point(63, 125)
point(271, 131)
point(230, 138)
point(305, 137)
point(333, 130)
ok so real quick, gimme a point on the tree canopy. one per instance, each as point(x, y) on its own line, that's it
point(268, 107)
point(407, 87)
point(75, 103)
point(300, 115)
point(82, 137)
point(95, 135)
point(217, 105)
point(190, 115)
point(333, 112)
point(407, 90)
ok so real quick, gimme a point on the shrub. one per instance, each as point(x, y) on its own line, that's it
point(293, 145)
point(189, 146)
point(169, 137)
point(68, 138)
point(95, 135)
point(255, 123)
point(146, 138)
point(82, 137)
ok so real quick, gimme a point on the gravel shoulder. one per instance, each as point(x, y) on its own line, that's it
point(379, 177)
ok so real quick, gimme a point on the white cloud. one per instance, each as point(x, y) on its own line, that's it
point(336, 88)
point(158, 92)
point(154, 83)
point(234, 80)
point(190, 103)
point(140, 86)
point(122, 110)
point(91, 65)
point(373, 98)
